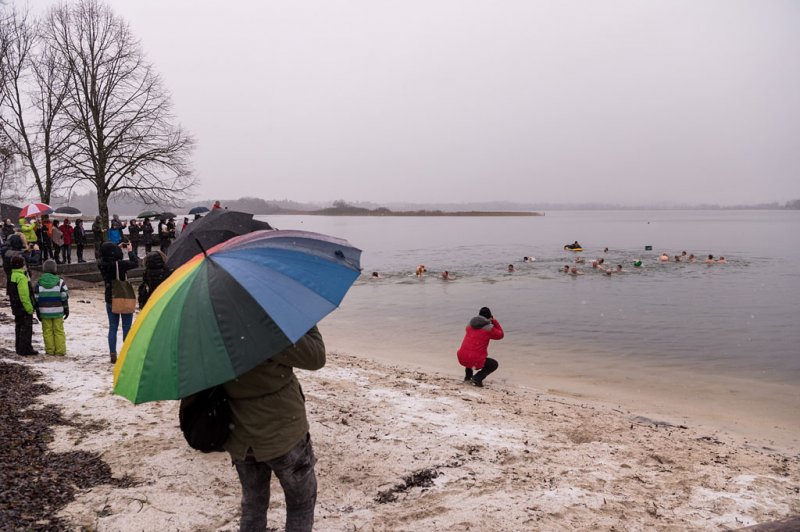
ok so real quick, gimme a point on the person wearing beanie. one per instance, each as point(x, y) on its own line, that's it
point(14, 246)
point(52, 308)
point(473, 354)
point(19, 295)
point(113, 265)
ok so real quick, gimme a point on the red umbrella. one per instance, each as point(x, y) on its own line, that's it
point(35, 209)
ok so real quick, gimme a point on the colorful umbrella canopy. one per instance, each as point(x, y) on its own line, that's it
point(148, 214)
point(224, 312)
point(35, 209)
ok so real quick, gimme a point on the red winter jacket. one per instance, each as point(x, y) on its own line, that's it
point(473, 348)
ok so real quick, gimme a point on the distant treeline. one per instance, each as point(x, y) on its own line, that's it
point(125, 206)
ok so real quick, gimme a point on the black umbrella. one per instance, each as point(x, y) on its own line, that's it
point(67, 210)
point(148, 214)
point(198, 210)
point(210, 230)
point(166, 215)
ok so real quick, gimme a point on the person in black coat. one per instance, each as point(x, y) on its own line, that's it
point(155, 271)
point(113, 265)
point(79, 237)
point(147, 235)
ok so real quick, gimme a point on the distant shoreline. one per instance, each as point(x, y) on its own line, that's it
point(386, 212)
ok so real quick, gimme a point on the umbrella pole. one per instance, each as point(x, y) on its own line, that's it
point(201, 247)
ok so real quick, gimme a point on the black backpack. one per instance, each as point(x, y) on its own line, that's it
point(205, 419)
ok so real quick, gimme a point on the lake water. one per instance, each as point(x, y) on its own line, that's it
point(670, 321)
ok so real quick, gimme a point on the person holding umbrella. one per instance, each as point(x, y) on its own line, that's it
point(227, 319)
point(28, 230)
point(147, 235)
point(270, 434)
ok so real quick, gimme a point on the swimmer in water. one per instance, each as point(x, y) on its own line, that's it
point(710, 260)
point(446, 276)
point(601, 261)
point(692, 258)
point(683, 254)
point(566, 268)
point(722, 260)
point(619, 268)
point(575, 271)
point(605, 250)
point(664, 257)
point(677, 258)
point(511, 268)
point(376, 275)
point(420, 270)
point(595, 264)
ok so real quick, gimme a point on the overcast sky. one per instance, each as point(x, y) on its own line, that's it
point(458, 100)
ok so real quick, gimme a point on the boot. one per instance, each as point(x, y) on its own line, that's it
point(113, 358)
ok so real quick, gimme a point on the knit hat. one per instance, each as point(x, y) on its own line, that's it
point(486, 313)
point(17, 261)
point(109, 250)
point(49, 266)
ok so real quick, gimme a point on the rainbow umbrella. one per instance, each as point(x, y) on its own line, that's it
point(231, 308)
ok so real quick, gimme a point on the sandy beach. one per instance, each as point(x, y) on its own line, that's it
point(400, 448)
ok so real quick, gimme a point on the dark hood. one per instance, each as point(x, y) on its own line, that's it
point(154, 261)
point(110, 251)
point(15, 242)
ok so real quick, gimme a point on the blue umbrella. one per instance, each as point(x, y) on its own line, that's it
point(198, 210)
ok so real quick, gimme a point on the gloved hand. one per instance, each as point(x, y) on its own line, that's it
point(66, 312)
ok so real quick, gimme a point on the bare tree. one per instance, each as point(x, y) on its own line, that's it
point(33, 98)
point(8, 175)
point(122, 115)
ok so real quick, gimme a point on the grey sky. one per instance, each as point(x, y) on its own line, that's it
point(458, 100)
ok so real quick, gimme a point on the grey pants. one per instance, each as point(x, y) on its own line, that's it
point(295, 471)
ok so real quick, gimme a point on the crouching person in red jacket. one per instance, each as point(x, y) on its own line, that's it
point(473, 354)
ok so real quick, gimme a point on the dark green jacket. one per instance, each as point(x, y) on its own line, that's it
point(268, 406)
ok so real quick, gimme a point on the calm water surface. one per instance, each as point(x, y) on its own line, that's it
point(740, 319)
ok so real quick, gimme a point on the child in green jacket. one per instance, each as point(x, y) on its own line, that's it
point(19, 294)
point(52, 308)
